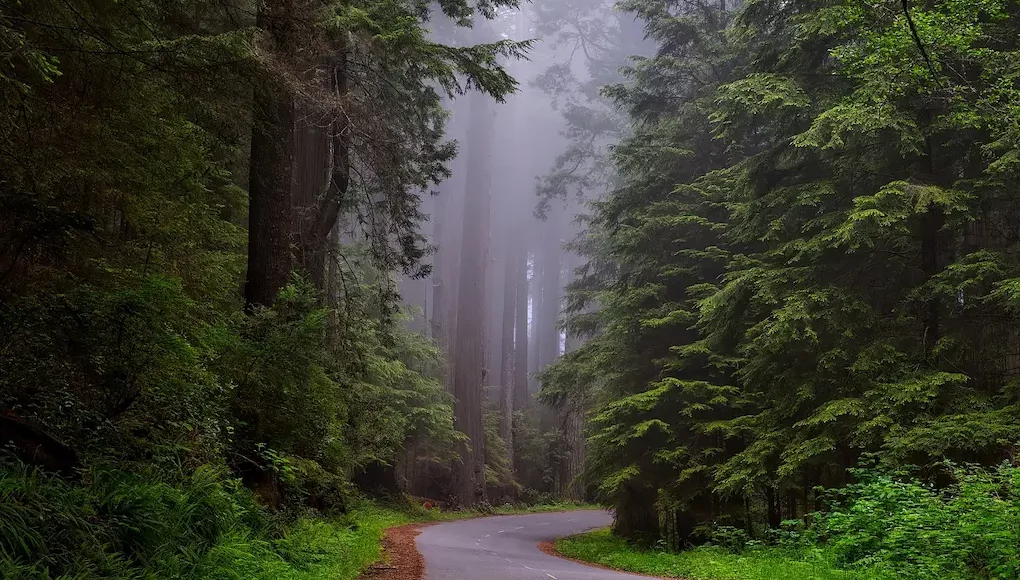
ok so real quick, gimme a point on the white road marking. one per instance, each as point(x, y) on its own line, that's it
point(550, 575)
point(544, 524)
point(500, 532)
point(519, 528)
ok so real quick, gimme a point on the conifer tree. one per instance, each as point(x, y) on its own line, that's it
point(798, 267)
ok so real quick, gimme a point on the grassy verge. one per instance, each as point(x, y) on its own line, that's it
point(601, 547)
point(341, 549)
point(338, 549)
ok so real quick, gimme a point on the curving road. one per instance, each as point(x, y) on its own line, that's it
point(506, 548)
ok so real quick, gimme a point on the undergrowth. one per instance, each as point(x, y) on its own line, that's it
point(705, 563)
point(121, 526)
point(204, 526)
point(959, 522)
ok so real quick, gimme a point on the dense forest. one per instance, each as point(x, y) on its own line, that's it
point(742, 271)
point(802, 276)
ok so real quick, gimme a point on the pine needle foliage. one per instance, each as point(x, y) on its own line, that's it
point(806, 261)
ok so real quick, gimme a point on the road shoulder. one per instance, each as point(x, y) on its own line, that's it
point(401, 558)
point(549, 548)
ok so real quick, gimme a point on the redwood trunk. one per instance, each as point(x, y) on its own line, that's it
point(506, 375)
point(272, 158)
point(469, 482)
point(521, 395)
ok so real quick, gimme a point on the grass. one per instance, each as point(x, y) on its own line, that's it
point(706, 563)
point(341, 549)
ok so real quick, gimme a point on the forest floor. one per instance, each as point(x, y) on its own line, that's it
point(603, 549)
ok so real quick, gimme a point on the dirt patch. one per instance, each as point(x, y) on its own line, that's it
point(401, 560)
point(549, 548)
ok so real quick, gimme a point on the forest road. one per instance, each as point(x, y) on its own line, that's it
point(506, 548)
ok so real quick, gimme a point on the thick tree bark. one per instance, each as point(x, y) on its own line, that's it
point(469, 480)
point(494, 309)
point(330, 201)
point(573, 431)
point(323, 176)
point(311, 177)
point(272, 157)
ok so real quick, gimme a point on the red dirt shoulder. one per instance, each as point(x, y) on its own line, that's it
point(401, 560)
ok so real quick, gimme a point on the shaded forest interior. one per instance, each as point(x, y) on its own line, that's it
point(741, 270)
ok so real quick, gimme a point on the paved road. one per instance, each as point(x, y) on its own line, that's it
point(506, 548)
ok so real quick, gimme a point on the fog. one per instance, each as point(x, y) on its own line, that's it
point(500, 227)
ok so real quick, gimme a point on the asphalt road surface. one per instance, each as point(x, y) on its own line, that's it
point(506, 548)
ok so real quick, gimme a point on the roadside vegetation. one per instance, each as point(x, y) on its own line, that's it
point(884, 527)
point(703, 563)
point(204, 526)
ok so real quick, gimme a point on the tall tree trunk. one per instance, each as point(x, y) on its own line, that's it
point(931, 232)
point(439, 270)
point(509, 321)
point(573, 431)
point(323, 188)
point(272, 158)
point(446, 236)
point(494, 303)
point(311, 178)
point(549, 286)
point(636, 516)
point(521, 395)
point(774, 508)
point(535, 316)
point(469, 483)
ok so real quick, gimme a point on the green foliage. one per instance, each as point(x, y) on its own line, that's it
point(800, 263)
point(124, 141)
point(908, 528)
point(538, 455)
point(499, 476)
point(202, 526)
point(125, 526)
point(705, 563)
point(121, 371)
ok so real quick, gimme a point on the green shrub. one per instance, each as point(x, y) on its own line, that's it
point(121, 525)
point(912, 529)
point(204, 526)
